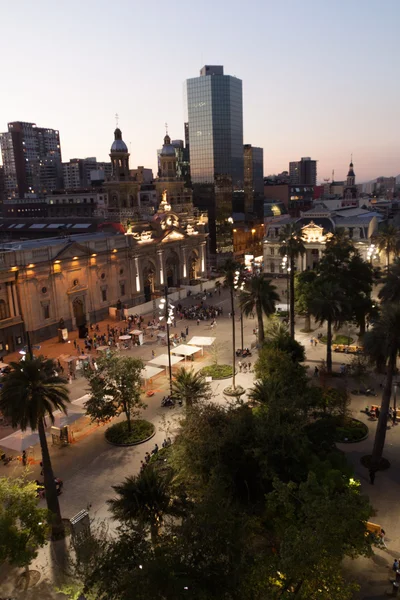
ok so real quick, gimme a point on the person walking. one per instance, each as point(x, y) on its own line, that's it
point(316, 372)
point(394, 416)
point(24, 458)
point(187, 331)
point(249, 367)
point(240, 366)
point(372, 476)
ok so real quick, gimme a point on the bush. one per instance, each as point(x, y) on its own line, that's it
point(119, 434)
point(352, 431)
point(339, 339)
point(217, 371)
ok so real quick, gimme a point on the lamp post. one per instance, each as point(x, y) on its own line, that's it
point(167, 313)
point(237, 284)
point(286, 268)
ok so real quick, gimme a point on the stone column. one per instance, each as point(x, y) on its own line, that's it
point(184, 263)
point(203, 257)
point(17, 309)
point(137, 274)
point(10, 300)
point(161, 266)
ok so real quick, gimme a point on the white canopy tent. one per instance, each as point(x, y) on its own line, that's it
point(162, 360)
point(149, 372)
point(185, 350)
point(200, 340)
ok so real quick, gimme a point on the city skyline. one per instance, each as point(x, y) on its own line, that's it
point(319, 83)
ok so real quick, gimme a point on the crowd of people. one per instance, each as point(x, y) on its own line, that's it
point(199, 312)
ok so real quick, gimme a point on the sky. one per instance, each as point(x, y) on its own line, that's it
point(320, 77)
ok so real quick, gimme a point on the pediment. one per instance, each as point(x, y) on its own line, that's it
point(173, 236)
point(71, 250)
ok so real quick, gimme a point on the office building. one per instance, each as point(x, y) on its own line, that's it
point(303, 172)
point(81, 173)
point(31, 159)
point(215, 131)
point(253, 179)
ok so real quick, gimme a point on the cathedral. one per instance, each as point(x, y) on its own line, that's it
point(350, 191)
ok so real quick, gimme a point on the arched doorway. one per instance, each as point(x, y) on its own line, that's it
point(172, 270)
point(78, 307)
point(148, 282)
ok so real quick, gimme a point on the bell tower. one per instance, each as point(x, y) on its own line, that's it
point(119, 157)
point(168, 160)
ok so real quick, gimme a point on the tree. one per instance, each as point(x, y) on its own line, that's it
point(31, 392)
point(329, 306)
point(23, 525)
point(259, 296)
point(358, 369)
point(387, 241)
point(303, 296)
point(190, 386)
point(292, 246)
point(277, 336)
point(232, 273)
point(145, 499)
point(390, 291)
point(384, 339)
point(114, 388)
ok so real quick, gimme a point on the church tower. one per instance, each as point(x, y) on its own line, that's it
point(119, 157)
point(168, 161)
point(351, 178)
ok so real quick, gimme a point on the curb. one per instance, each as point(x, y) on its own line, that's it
point(356, 441)
point(131, 443)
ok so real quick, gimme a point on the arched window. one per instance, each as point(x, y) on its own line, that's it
point(4, 312)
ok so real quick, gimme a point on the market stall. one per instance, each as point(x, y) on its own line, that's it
point(200, 340)
point(186, 350)
point(137, 337)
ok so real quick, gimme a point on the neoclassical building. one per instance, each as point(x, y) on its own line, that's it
point(318, 225)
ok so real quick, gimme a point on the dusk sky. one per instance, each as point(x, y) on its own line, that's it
point(320, 78)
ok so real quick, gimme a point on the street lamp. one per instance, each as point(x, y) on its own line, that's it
point(286, 267)
point(237, 284)
point(167, 313)
point(371, 253)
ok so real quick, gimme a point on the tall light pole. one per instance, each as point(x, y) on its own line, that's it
point(286, 268)
point(167, 313)
point(239, 285)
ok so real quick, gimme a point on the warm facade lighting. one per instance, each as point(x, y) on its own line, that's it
point(14, 268)
point(75, 258)
point(30, 266)
point(115, 250)
point(56, 262)
point(94, 254)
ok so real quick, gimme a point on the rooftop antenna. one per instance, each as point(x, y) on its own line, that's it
point(116, 119)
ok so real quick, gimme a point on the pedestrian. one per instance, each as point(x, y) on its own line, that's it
point(312, 341)
point(394, 416)
point(187, 331)
point(24, 458)
point(147, 457)
point(377, 412)
point(153, 354)
point(316, 371)
point(240, 366)
point(372, 476)
point(395, 565)
point(198, 321)
point(249, 367)
point(75, 344)
point(382, 534)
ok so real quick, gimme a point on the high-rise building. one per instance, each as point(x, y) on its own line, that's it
point(253, 180)
point(303, 172)
point(80, 173)
point(1, 184)
point(215, 128)
point(31, 159)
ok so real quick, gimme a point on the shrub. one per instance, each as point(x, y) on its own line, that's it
point(119, 434)
point(217, 371)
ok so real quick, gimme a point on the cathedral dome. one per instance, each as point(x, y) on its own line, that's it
point(118, 144)
point(167, 149)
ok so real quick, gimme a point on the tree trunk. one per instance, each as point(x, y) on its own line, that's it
point(329, 347)
point(261, 336)
point(128, 415)
point(233, 340)
point(380, 434)
point(307, 323)
point(27, 577)
point(53, 505)
point(291, 298)
point(387, 258)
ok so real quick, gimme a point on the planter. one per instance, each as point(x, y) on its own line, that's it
point(217, 371)
point(234, 393)
point(354, 431)
point(366, 462)
point(118, 434)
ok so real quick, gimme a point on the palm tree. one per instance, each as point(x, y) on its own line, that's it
point(387, 241)
point(390, 291)
point(328, 305)
point(231, 271)
point(31, 392)
point(292, 246)
point(144, 498)
point(259, 296)
point(384, 338)
point(190, 386)
point(304, 293)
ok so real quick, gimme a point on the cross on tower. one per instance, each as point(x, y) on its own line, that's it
point(116, 119)
point(166, 128)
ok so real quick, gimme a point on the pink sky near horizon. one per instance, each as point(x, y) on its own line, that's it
point(319, 78)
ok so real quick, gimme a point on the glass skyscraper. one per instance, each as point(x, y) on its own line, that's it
point(215, 118)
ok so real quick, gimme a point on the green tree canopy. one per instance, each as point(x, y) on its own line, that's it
point(190, 386)
point(115, 386)
point(258, 296)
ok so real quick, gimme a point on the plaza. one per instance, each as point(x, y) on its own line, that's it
point(90, 466)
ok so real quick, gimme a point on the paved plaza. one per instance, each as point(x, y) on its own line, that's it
point(90, 466)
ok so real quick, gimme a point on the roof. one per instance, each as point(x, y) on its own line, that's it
point(43, 242)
